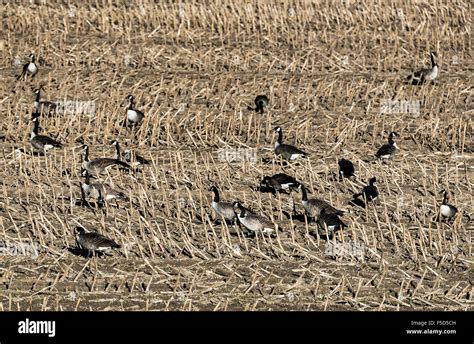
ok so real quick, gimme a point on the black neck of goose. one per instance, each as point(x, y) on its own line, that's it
point(242, 210)
point(304, 194)
point(86, 153)
point(445, 198)
point(36, 127)
point(37, 96)
point(391, 141)
point(33, 58)
point(280, 136)
point(216, 195)
point(131, 105)
point(433, 63)
point(117, 150)
point(88, 178)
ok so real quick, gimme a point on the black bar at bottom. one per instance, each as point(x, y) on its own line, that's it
point(433, 327)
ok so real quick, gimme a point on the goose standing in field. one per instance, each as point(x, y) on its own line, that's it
point(346, 168)
point(426, 74)
point(42, 143)
point(222, 208)
point(254, 223)
point(261, 102)
point(131, 158)
point(83, 202)
point(29, 68)
point(389, 149)
point(288, 152)
point(447, 210)
point(134, 116)
point(279, 182)
point(97, 166)
point(93, 242)
point(43, 106)
point(314, 206)
point(97, 190)
point(369, 192)
point(331, 221)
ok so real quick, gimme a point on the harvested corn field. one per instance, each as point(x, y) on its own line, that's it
point(335, 81)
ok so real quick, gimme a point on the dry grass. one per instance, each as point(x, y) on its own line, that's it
point(194, 69)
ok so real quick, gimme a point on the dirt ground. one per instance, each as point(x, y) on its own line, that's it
point(194, 70)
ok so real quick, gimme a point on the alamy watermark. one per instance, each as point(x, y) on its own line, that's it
point(400, 106)
point(8, 248)
point(28, 326)
point(237, 154)
point(76, 107)
point(345, 249)
point(67, 107)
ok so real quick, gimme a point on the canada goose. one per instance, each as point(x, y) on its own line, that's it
point(346, 168)
point(134, 116)
point(279, 182)
point(132, 159)
point(44, 106)
point(83, 202)
point(29, 68)
point(447, 210)
point(370, 192)
point(42, 143)
point(331, 221)
point(288, 152)
point(253, 222)
point(97, 166)
point(260, 103)
point(223, 209)
point(314, 206)
point(93, 242)
point(389, 149)
point(97, 190)
point(428, 74)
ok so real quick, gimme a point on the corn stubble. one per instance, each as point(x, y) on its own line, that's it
point(194, 70)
